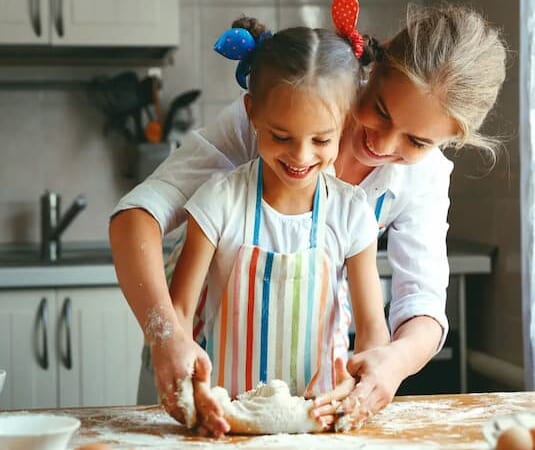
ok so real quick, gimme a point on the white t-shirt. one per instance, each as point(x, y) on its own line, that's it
point(415, 212)
point(219, 207)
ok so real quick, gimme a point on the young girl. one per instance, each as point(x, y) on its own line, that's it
point(276, 235)
point(438, 79)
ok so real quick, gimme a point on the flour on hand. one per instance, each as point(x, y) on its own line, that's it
point(268, 409)
point(185, 401)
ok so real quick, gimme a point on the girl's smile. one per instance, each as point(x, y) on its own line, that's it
point(298, 136)
point(297, 172)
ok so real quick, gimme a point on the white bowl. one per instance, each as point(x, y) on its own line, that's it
point(2, 379)
point(36, 431)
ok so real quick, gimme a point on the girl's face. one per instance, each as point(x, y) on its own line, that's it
point(298, 135)
point(397, 122)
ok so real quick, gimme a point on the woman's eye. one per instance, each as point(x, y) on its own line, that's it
point(322, 141)
point(380, 111)
point(417, 144)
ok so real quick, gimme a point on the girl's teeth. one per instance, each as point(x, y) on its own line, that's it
point(295, 169)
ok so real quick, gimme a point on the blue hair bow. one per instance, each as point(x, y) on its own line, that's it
point(239, 44)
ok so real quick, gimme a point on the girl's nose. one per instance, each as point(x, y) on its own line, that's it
point(301, 152)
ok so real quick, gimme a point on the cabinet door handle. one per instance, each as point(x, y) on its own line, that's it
point(35, 16)
point(66, 318)
point(42, 321)
point(57, 14)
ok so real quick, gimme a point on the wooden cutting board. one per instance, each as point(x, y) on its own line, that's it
point(415, 422)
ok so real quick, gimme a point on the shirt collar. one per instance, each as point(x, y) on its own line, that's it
point(385, 178)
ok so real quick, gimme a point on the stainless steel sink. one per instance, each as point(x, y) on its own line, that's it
point(30, 256)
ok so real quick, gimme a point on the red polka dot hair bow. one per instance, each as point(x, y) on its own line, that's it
point(345, 14)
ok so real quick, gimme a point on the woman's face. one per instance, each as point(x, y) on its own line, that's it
point(397, 122)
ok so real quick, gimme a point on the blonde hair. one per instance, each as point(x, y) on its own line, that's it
point(452, 52)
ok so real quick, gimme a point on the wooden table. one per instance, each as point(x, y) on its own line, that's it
point(415, 422)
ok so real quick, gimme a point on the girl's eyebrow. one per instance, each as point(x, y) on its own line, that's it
point(283, 130)
point(387, 112)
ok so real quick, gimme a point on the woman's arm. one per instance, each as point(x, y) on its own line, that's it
point(418, 257)
point(157, 206)
point(136, 247)
point(417, 249)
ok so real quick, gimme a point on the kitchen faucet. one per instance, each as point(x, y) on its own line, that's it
point(52, 224)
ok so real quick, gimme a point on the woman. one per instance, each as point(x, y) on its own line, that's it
point(437, 80)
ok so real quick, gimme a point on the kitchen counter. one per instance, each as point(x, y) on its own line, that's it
point(90, 264)
point(418, 422)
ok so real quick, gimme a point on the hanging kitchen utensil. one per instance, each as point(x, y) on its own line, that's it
point(153, 129)
point(179, 118)
point(118, 99)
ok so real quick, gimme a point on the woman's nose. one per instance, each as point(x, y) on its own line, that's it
point(386, 143)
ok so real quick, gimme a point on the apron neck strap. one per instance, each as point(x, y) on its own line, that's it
point(253, 217)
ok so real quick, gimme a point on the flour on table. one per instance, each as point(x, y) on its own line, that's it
point(268, 409)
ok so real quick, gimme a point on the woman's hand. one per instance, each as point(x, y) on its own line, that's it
point(327, 407)
point(365, 386)
point(379, 372)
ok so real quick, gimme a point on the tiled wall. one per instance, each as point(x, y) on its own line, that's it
point(488, 210)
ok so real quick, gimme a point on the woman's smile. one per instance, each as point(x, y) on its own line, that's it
point(370, 150)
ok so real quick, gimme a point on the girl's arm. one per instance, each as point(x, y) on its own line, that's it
point(367, 300)
point(186, 285)
point(190, 273)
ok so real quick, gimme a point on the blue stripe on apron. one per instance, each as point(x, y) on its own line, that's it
point(265, 317)
point(310, 301)
point(258, 209)
point(315, 212)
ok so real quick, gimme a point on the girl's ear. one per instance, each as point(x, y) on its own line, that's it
point(248, 102)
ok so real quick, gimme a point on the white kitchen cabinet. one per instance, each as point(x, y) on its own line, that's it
point(24, 22)
point(68, 347)
point(26, 331)
point(130, 23)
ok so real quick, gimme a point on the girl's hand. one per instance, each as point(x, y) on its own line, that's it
point(173, 359)
point(327, 407)
point(210, 418)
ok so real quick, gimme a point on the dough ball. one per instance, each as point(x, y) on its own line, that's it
point(267, 409)
point(515, 438)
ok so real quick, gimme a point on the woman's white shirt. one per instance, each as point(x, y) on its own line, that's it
point(415, 212)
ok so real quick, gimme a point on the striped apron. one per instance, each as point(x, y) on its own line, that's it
point(147, 392)
point(279, 317)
